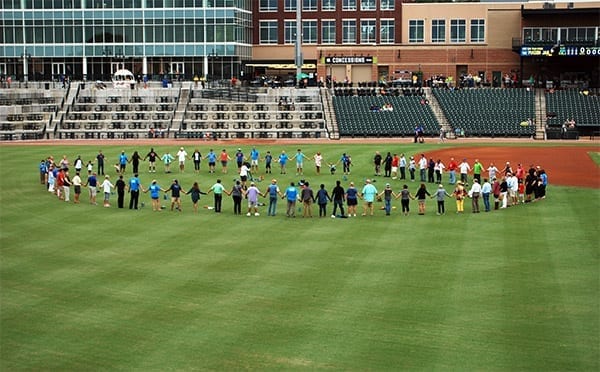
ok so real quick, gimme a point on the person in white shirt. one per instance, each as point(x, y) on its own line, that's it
point(423, 167)
point(181, 156)
point(464, 168)
point(486, 190)
point(244, 174)
point(492, 170)
point(474, 194)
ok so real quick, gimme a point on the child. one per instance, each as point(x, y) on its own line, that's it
point(331, 169)
point(90, 167)
point(521, 191)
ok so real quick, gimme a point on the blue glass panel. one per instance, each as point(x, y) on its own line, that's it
point(179, 50)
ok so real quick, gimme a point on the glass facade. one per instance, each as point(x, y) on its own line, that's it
point(145, 36)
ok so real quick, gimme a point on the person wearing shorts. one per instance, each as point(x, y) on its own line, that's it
point(225, 158)
point(352, 199)
point(155, 190)
point(176, 191)
point(368, 194)
point(212, 161)
point(252, 194)
point(254, 156)
point(91, 184)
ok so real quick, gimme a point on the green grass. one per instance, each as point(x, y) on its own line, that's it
point(92, 288)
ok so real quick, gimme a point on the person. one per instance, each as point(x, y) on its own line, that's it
point(452, 166)
point(197, 159)
point(135, 161)
point(52, 172)
point(542, 183)
point(492, 171)
point(423, 168)
point(496, 192)
point(92, 183)
point(322, 198)
point(440, 194)
point(100, 162)
point(66, 182)
point(318, 158)
point(387, 165)
point(477, 169)
point(76, 187)
point(244, 169)
point(346, 163)
point(387, 194)
point(254, 157)
point(43, 168)
point(513, 189)
point(217, 189)
point(252, 195)
point(291, 194)
point(151, 156)
point(78, 164)
point(368, 194)
point(377, 159)
point(474, 194)
point(402, 166)
point(412, 168)
point(225, 158)
point(59, 181)
point(176, 191)
point(90, 167)
point(181, 156)
point(195, 193)
point(283, 158)
point(504, 192)
point(120, 186)
point(395, 163)
point(431, 170)
point(351, 199)
point(459, 195)
point(486, 190)
point(155, 190)
point(530, 185)
point(167, 159)
point(239, 158)
point(308, 198)
point(107, 186)
point(338, 196)
point(299, 157)
point(439, 169)
point(64, 162)
point(134, 191)
point(123, 162)
point(236, 193)
point(405, 197)
point(273, 192)
point(421, 196)
point(212, 160)
point(268, 161)
point(464, 168)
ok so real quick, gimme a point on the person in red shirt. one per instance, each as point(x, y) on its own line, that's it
point(395, 163)
point(452, 170)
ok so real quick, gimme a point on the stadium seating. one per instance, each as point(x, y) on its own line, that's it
point(572, 104)
point(25, 114)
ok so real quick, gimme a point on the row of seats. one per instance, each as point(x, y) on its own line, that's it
point(572, 104)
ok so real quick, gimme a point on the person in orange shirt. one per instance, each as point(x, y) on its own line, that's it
point(225, 158)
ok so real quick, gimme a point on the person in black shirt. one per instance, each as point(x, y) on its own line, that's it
point(338, 196)
point(120, 186)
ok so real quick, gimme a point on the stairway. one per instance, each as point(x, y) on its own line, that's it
point(540, 114)
point(329, 114)
point(180, 109)
point(69, 100)
point(439, 114)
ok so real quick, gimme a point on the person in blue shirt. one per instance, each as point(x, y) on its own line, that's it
point(273, 192)
point(155, 190)
point(283, 158)
point(43, 172)
point(300, 162)
point(291, 194)
point(352, 199)
point(268, 160)
point(239, 158)
point(322, 199)
point(254, 156)
point(134, 191)
point(122, 162)
point(212, 161)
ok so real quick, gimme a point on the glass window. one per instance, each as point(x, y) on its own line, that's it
point(268, 32)
point(438, 31)
point(368, 31)
point(309, 32)
point(367, 4)
point(416, 30)
point(328, 5)
point(290, 5)
point(309, 5)
point(387, 5)
point(328, 32)
point(387, 34)
point(458, 30)
point(478, 30)
point(268, 5)
point(349, 31)
point(289, 32)
point(348, 4)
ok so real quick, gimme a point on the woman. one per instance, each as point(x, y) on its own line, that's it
point(106, 187)
point(236, 193)
point(352, 199)
point(135, 161)
point(195, 193)
point(421, 196)
point(155, 190)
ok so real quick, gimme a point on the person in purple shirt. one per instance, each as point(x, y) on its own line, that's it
point(252, 194)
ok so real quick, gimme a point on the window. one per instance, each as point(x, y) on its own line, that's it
point(290, 5)
point(367, 4)
point(289, 32)
point(328, 5)
point(268, 5)
point(387, 5)
point(368, 31)
point(268, 32)
point(416, 30)
point(438, 31)
point(309, 5)
point(348, 4)
point(387, 33)
point(328, 32)
point(478, 30)
point(349, 31)
point(458, 28)
point(309, 32)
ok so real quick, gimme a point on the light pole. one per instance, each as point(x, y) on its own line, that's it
point(212, 57)
point(26, 56)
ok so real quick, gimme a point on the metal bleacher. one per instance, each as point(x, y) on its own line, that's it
point(25, 113)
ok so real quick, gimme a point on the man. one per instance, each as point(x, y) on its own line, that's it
point(368, 194)
point(134, 191)
point(212, 161)
point(464, 168)
point(120, 186)
point(151, 156)
point(300, 162)
point(291, 194)
point(77, 187)
point(338, 195)
point(181, 156)
point(252, 194)
point(273, 192)
point(254, 156)
point(474, 194)
point(402, 167)
point(423, 168)
point(197, 158)
point(452, 166)
point(100, 162)
point(239, 158)
point(123, 160)
point(307, 196)
point(477, 169)
point(218, 190)
point(377, 162)
point(395, 164)
point(92, 184)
